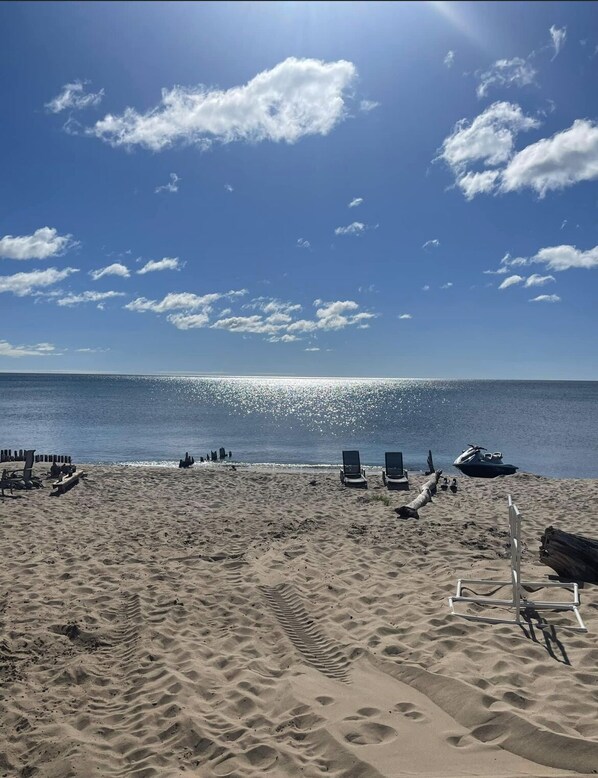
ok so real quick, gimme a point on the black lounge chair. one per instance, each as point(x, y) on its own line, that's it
point(394, 476)
point(352, 473)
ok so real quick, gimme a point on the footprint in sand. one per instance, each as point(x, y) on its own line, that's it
point(409, 710)
point(368, 733)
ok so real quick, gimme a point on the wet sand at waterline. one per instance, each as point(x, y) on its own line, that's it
point(213, 622)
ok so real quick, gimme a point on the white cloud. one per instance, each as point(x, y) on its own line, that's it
point(546, 298)
point(38, 350)
point(564, 159)
point(189, 321)
point(229, 188)
point(355, 228)
point(489, 138)
point(426, 288)
point(186, 301)
point(472, 184)
point(23, 284)
point(115, 269)
point(449, 60)
point(171, 186)
point(297, 97)
point(92, 350)
point(511, 281)
point(558, 36)
point(538, 280)
point(355, 202)
point(303, 244)
point(43, 244)
point(431, 244)
point(565, 257)
point(447, 285)
point(405, 316)
point(506, 73)
point(87, 297)
point(500, 272)
point(75, 97)
point(312, 348)
point(368, 105)
point(154, 265)
point(563, 224)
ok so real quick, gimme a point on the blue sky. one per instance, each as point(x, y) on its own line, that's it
point(359, 189)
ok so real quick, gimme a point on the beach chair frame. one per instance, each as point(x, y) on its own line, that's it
point(519, 602)
point(394, 475)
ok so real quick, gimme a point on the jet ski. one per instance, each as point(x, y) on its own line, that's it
point(474, 463)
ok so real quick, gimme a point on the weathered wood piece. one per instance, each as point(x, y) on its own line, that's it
point(428, 490)
point(66, 482)
point(571, 556)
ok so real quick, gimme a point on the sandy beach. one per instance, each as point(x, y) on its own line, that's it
point(220, 622)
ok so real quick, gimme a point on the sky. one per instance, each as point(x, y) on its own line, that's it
point(300, 188)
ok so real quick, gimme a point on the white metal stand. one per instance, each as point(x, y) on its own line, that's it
point(519, 602)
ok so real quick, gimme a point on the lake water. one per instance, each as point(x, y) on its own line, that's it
point(544, 427)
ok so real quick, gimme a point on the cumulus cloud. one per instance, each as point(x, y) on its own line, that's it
point(426, 288)
point(546, 298)
point(355, 202)
point(565, 257)
point(355, 228)
point(447, 285)
point(537, 280)
point(431, 244)
point(472, 184)
point(184, 301)
point(511, 281)
point(506, 73)
point(37, 350)
point(558, 37)
point(43, 244)
point(171, 186)
point(189, 321)
point(22, 284)
point(303, 244)
point(297, 97)
point(154, 265)
point(87, 297)
point(449, 60)
point(489, 138)
point(405, 316)
point(75, 97)
point(270, 317)
point(115, 269)
point(566, 158)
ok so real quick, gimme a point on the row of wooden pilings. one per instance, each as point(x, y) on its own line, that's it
point(8, 455)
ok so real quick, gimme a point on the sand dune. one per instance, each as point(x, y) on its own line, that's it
point(214, 622)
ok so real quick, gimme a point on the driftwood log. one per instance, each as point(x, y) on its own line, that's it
point(428, 490)
point(570, 556)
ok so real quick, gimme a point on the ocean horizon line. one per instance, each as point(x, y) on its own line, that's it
point(191, 374)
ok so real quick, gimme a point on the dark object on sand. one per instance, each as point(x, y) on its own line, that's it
point(431, 469)
point(394, 476)
point(20, 479)
point(473, 463)
point(444, 485)
point(353, 473)
point(187, 461)
point(67, 481)
point(571, 556)
point(428, 490)
point(453, 486)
